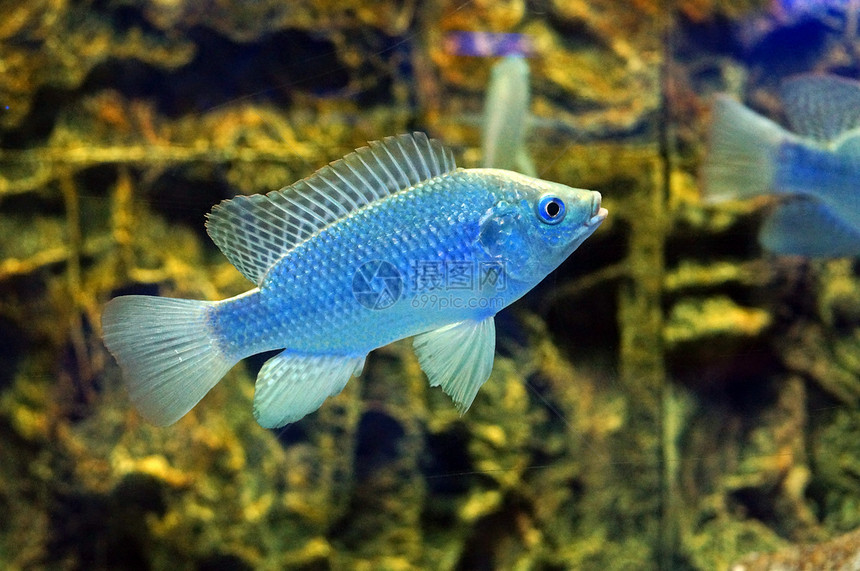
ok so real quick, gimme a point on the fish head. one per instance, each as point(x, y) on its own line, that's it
point(534, 225)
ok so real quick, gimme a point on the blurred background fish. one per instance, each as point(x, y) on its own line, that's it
point(506, 121)
point(815, 169)
point(487, 44)
point(810, 8)
point(506, 117)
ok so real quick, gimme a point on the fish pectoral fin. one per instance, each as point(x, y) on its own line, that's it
point(291, 385)
point(458, 357)
point(803, 227)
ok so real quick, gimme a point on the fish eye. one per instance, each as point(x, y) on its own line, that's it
point(550, 209)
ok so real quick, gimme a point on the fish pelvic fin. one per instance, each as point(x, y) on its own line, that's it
point(742, 152)
point(459, 358)
point(166, 352)
point(291, 385)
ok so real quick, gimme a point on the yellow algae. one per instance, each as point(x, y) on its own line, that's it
point(480, 504)
point(314, 550)
point(153, 465)
point(258, 509)
point(711, 317)
point(31, 424)
point(304, 506)
point(494, 435)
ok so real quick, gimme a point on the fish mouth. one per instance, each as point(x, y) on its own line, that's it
point(598, 214)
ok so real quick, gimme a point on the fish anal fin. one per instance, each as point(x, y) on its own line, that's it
point(291, 385)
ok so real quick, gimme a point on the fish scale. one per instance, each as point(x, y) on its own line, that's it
point(300, 294)
point(396, 205)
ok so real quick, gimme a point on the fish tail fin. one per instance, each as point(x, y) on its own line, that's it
point(166, 351)
point(742, 152)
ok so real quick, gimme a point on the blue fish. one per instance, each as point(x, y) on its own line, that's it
point(389, 242)
point(815, 170)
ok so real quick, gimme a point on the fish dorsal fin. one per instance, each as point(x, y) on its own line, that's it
point(255, 231)
point(821, 106)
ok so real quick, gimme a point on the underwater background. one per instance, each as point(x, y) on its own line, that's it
point(672, 397)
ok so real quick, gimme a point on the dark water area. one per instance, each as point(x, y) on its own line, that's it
point(679, 393)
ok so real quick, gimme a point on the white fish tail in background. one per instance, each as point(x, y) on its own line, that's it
point(814, 170)
point(742, 153)
point(389, 242)
point(507, 117)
